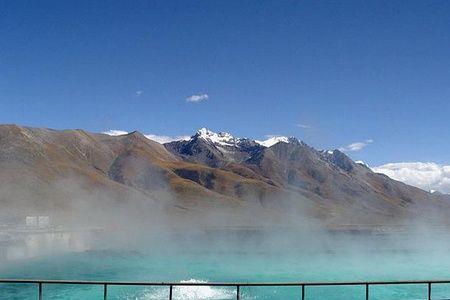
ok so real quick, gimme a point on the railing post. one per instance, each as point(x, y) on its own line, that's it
point(40, 290)
point(303, 292)
point(105, 291)
point(237, 292)
point(367, 291)
point(170, 292)
point(429, 290)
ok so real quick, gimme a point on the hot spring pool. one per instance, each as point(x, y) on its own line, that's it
point(231, 264)
point(128, 266)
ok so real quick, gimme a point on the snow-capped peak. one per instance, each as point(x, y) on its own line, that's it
point(221, 138)
point(273, 140)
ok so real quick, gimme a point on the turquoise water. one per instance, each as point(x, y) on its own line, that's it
point(213, 262)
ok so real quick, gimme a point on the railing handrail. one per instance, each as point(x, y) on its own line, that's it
point(148, 283)
point(237, 285)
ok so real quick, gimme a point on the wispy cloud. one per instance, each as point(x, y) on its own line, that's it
point(304, 126)
point(357, 146)
point(114, 132)
point(425, 175)
point(139, 93)
point(197, 98)
point(162, 139)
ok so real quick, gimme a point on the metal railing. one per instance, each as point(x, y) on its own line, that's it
point(237, 285)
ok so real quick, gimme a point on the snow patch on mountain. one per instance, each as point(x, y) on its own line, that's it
point(226, 139)
point(360, 162)
point(272, 140)
point(327, 152)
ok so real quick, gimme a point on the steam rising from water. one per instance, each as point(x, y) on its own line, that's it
point(160, 238)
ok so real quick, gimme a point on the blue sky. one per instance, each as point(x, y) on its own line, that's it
point(354, 71)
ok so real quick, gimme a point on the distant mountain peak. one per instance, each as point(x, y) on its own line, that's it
point(227, 139)
point(332, 152)
point(204, 132)
point(221, 138)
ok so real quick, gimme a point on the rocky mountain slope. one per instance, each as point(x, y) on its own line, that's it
point(44, 170)
point(330, 181)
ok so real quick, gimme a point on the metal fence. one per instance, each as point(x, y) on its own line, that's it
point(237, 285)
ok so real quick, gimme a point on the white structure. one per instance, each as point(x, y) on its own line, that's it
point(43, 221)
point(31, 221)
point(37, 221)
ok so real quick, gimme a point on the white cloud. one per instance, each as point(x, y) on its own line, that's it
point(357, 146)
point(139, 93)
point(424, 175)
point(197, 98)
point(157, 138)
point(114, 132)
point(162, 139)
point(304, 126)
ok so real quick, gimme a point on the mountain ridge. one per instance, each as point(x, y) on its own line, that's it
point(209, 171)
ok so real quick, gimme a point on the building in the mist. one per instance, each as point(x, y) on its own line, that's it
point(31, 221)
point(37, 221)
point(43, 221)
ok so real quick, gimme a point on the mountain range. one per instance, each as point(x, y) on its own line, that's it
point(58, 171)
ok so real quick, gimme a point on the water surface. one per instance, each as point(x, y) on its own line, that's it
point(212, 261)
